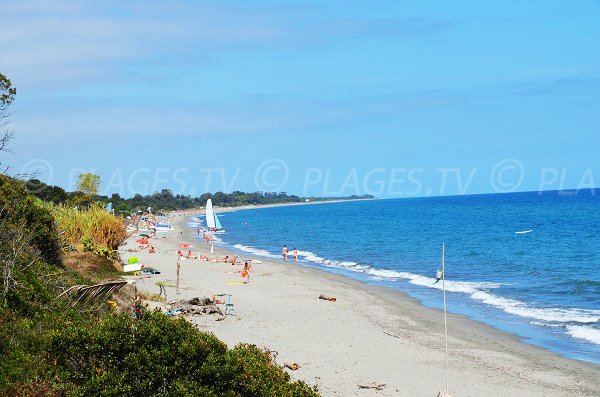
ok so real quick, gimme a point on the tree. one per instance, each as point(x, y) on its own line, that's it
point(88, 183)
point(7, 97)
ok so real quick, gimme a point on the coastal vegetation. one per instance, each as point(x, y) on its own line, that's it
point(53, 348)
point(90, 225)
point(166, 200)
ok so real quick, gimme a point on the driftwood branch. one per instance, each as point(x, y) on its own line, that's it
point(374, 386)
point(392, 335)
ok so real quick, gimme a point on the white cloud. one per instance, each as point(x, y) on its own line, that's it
point(68, 42)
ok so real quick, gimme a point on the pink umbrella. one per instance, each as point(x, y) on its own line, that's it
point(185, 246)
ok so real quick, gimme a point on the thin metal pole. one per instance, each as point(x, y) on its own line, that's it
point(445, 317)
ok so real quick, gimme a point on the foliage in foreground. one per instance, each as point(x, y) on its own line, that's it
point(159, 356)
point(53, 350)
point(118, 355)
point(31, 270)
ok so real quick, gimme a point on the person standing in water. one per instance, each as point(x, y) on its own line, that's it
point(295, 253)
point(285, 253)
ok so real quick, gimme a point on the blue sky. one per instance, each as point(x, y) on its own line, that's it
point(393, 98)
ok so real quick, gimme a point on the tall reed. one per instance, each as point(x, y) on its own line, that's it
point(93, 223)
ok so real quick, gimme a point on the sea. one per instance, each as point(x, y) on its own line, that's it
point(542, 285)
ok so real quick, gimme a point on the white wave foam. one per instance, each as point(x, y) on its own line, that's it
point(255, 251)
point(311, 257)
point(475, 290)
point(545, 314)
point(582, 332)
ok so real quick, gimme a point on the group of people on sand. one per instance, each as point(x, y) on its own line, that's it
point(191, 256)
point(285, 252)
point(145, 243)
point(226, 259)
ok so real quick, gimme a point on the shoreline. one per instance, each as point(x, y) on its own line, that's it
point(397, 333)
point(261, 206)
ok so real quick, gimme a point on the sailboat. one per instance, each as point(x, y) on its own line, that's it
point(212, 220)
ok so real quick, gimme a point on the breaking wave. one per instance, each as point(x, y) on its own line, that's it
point(584, 332)
point(479, 291)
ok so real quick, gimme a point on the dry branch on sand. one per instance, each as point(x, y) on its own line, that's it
point(374, 386)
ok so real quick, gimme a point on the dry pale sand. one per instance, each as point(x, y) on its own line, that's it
point(370, 334)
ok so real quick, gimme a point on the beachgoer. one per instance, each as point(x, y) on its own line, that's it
point(179, 254)
point(295, 253)
point(246, 271)
point(285, 253)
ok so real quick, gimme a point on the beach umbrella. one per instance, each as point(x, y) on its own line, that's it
point(185, 246)
point(144, 235)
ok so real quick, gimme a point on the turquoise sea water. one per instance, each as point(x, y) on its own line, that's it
point(543, 285)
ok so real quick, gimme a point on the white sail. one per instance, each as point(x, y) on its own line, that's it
point(217, 223)
point(210, 215)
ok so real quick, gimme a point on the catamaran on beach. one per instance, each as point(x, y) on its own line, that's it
point(212, 220)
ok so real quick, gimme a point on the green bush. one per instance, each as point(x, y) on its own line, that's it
point(29, 248)
point(18, 208)
point(156, 355)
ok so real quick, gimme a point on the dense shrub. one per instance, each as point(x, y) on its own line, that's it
point(29, 250)
point(18, 209)
point(155, 355)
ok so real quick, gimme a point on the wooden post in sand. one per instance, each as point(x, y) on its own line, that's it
point(177, 289)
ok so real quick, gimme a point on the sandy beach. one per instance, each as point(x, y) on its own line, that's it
point(369, 335)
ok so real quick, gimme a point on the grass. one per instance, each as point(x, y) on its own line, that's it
point(94, 224)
